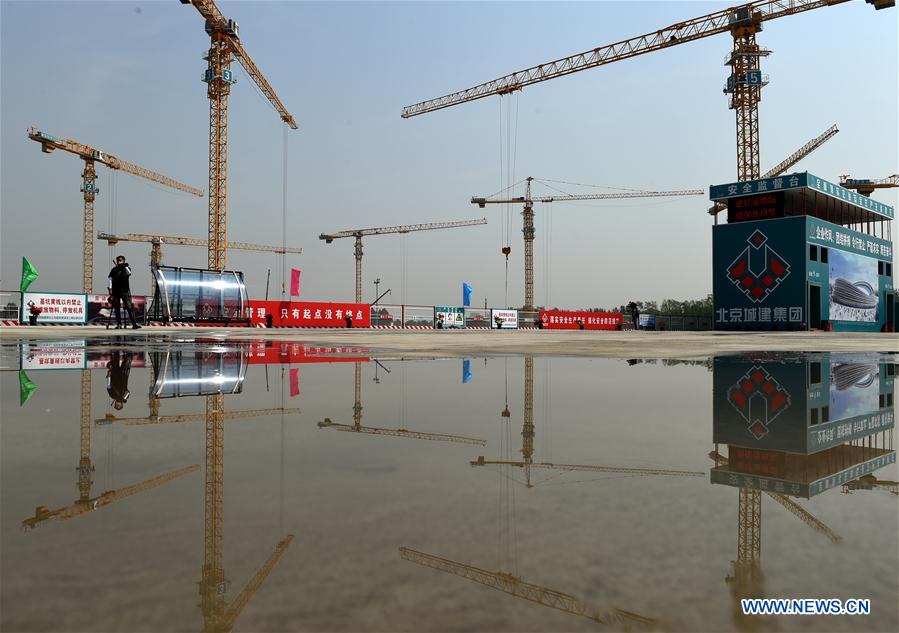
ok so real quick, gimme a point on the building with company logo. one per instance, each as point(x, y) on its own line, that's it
point(801, 427)
point(800, 253)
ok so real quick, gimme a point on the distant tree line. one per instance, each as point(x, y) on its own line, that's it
point(668, 307)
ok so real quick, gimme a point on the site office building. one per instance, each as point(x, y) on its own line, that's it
point(799, 253)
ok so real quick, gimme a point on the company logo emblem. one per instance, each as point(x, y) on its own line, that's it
point(759, 399)
point(758, 284)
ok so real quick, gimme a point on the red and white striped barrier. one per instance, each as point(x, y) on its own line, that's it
point(9, 322)
point(173, 324)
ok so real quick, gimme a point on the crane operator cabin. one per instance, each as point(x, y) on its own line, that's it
point(801, 253)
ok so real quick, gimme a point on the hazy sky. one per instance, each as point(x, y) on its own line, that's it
point(125, 77)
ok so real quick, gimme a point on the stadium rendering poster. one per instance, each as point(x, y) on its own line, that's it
point(853, 287)
point(854, 389)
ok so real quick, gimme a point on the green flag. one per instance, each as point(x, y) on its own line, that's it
point(26, 388)
point(29, 274)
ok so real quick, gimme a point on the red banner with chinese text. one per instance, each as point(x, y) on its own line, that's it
point(309, 313)
point(564, 320)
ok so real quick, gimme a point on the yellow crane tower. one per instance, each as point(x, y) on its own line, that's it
point(384, 230)
point(515, 586)
point(357, 427)
point(90, 156)
point(789, 161)
point(224, 46)
point(866, 187)
point(527, 219)
point(744, 84)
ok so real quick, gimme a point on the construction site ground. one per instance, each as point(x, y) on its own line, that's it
point(460, 343)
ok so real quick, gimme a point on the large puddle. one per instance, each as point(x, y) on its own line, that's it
point(174, 484)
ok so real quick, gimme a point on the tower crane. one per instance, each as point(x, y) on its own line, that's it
point(358, 234)
point(789, 161)
point(515, 586)
point(744, 83)
point(90, 156)
point(866, 187)
point(192, 417)
point(85, 505)
point(224, 46)
point(357, 427)
point(527, 218)
point(156, 242)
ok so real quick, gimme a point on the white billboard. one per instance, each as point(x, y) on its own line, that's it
point(55, 307)
point(504, 319)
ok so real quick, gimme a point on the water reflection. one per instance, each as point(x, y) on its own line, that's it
point(644, 533)
point(795, 428)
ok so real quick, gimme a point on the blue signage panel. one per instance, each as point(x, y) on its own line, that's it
point(758, 276)
point(836, 236)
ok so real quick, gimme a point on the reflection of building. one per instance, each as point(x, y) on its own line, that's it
point(800, 428)
point(798, 253)
point(795, 428)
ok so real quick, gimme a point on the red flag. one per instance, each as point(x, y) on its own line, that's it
point(294, 380)
point(294, 282)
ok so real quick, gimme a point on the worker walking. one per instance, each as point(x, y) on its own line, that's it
point(119, 287)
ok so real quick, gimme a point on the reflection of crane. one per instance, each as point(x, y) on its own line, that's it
point(217, 616)
point(870, 482)
point(788, 162)
point(527, 444)
point(90, 156)
point(85, 505)
point(519, 588)
point(744, 84)
point(417, 435)
point(357, 427)
point(225, 45)
point(384, 230)
point(866, 187)
point(191, 417)
point(156, 242)
point(527, 218)
point(747, 580)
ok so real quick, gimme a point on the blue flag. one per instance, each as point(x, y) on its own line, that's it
point(466, 294)
point(466, 371)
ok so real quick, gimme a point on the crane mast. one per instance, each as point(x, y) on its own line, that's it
point(358, 234)
point(529, 231)
point(224, 45)
point(90, 156)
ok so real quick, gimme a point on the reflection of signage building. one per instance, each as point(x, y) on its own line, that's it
point(801, 253)
point(58, 355)
point(803, 426)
